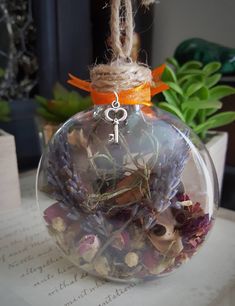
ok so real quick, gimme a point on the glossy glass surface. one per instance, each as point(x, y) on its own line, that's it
point(136, 210)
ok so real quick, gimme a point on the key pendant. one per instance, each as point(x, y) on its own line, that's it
point(115, 114)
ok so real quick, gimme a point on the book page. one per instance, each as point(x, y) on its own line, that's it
point(33, 267)
point(34, 272)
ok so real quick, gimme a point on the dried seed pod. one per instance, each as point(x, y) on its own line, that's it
point(131, 259)
point(101, 266)
point(58, 224)
point(164, 227)
point(168, 248)
point(162, 232)
point(181, 217)
point(185, 203)
point(88, 246)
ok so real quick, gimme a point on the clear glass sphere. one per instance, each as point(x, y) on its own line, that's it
point(133, 210)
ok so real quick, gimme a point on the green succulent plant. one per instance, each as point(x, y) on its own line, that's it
point(194, 95)
point(4, 111)
point(62, 106)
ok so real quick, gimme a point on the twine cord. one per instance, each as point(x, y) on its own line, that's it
point(121, 50)
point(122, 73)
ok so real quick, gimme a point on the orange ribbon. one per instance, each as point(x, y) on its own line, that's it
point(138, 95)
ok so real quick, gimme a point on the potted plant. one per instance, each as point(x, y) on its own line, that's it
point(9, 180)
point(195, 97)
point(54, 112)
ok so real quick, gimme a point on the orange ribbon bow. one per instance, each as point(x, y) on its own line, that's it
point(138, 95)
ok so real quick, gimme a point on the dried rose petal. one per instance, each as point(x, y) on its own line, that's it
point(182, 197)
point(121, 241)
point(59, 217)
point(194, 225)
point(55, 210)
point(194, 232)
point(88, 246)
point(195, 209)
point(101, 266)
point(131, 259)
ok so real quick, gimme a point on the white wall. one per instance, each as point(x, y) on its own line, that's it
point(177, 20)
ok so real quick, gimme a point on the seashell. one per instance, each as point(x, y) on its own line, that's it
point(131, 259)
point(101, 266)
point(88, 246)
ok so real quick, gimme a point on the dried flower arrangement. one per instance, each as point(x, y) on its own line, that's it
point(123, 215)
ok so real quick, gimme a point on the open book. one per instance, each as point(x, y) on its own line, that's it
point(34, 272)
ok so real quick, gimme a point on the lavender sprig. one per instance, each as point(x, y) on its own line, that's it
point(65, 183)
point(166, 175)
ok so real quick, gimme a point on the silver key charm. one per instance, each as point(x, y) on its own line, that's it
point(115, 114)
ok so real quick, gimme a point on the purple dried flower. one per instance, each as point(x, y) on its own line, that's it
point(65, 183)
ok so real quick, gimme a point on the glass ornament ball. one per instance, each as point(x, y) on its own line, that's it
point(127, 211)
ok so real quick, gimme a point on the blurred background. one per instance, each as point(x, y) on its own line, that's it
point(42, 40)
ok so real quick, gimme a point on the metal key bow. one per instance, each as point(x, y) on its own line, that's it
point(115, 114)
